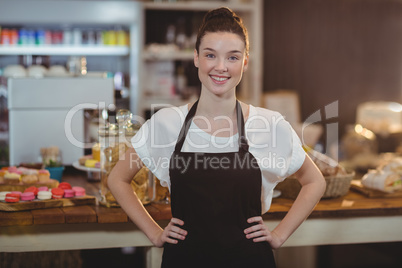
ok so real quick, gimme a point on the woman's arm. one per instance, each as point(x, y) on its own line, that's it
point(119, 183)
point(313, 187)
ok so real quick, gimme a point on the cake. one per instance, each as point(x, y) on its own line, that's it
point(29, 179)
point(2, 173)
point(12, 178)
point(43, 175)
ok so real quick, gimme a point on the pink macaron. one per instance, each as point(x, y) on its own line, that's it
point(16, 192)
point(27, 196)
point(43, 188)
point(69, 193)
point(79, 191)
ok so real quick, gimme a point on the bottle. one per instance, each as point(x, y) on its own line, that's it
point(181, 81)
point(170, 34)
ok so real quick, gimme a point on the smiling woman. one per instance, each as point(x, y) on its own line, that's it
point(218, 176)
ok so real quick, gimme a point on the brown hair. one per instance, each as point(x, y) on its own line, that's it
point(222, 20)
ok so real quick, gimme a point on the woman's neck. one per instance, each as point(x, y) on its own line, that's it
point(213, 106)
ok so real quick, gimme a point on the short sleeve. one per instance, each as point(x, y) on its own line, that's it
point(155, 141)
point(298, 154)
point(277, 148)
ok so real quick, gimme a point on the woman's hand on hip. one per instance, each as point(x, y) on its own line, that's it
point(171, 234)
point(260, 232)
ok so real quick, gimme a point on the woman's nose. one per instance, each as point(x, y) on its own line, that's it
point(221, 65)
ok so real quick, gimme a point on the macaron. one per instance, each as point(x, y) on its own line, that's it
point(16, 192)
point(44, 195)
point(32, 189)
point(27, 196)
point(3, 195)
point(64, 185)
point(69, 193)
point(79, 191)
point(12, 198)
point(43, 188)
point(57, 193)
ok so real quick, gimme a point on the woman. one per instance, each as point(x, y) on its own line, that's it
point(221, 160)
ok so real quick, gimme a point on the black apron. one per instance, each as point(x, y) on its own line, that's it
point(214, 194)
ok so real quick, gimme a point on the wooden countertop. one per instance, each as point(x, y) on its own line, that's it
point(351, 205)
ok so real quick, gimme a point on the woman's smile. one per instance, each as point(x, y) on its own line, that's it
point(219, 79)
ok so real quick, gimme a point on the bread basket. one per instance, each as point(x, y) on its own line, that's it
point(337, 179)
point(337, 186)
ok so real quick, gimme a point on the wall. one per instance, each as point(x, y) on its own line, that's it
point(328, 50)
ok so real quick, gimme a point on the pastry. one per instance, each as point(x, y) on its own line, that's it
point(44, 195)
point(57, 193)
point(29, 179)
point(27, 196)
point(79, 191)
point(43, 188)
point(381, 180)
point(84, 158)
point(2, 173)
point(90, 163)
point(3, 195)
point(12, 178)
point(64, 185)
point(32, 189)
point(12, 198)
point(69, 193)
point(43, 175)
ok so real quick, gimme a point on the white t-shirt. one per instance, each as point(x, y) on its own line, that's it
point(271, 139)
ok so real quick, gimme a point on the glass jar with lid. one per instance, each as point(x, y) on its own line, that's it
point(114, 140)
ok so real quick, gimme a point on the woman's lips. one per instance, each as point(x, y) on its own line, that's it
point(219, 79)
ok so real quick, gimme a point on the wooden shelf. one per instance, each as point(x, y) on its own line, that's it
point(178, 55)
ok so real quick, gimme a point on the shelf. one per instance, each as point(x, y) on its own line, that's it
point(66, 50)
point(198, 5)
point(178, 55)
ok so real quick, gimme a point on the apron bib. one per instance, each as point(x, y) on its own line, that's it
point(215, 195)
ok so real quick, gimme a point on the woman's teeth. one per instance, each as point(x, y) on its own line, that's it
point(220, 79)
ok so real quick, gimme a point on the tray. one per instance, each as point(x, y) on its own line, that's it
point(357, 186)
point(51, 203)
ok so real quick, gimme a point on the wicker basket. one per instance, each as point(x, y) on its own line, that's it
point(336, 186)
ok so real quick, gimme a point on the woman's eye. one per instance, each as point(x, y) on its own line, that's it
point(211, 56)
point(232, 58)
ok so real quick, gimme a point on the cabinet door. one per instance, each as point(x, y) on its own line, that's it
point(32, 129)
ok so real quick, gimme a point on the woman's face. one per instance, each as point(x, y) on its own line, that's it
point(221, 62)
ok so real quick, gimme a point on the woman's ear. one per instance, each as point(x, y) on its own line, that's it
point(245, 67)
point(195, 58)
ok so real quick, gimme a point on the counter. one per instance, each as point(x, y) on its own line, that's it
point(352, 218)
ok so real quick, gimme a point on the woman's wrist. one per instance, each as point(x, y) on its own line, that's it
point(155, 238)
point(279, 237)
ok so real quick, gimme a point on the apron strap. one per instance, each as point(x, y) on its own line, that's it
point(243, 144)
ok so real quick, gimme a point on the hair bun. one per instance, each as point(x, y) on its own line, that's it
point(220, 13)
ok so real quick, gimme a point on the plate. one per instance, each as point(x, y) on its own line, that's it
point(84, 168)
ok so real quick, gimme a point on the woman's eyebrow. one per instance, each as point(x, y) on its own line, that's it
point(213, 50)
